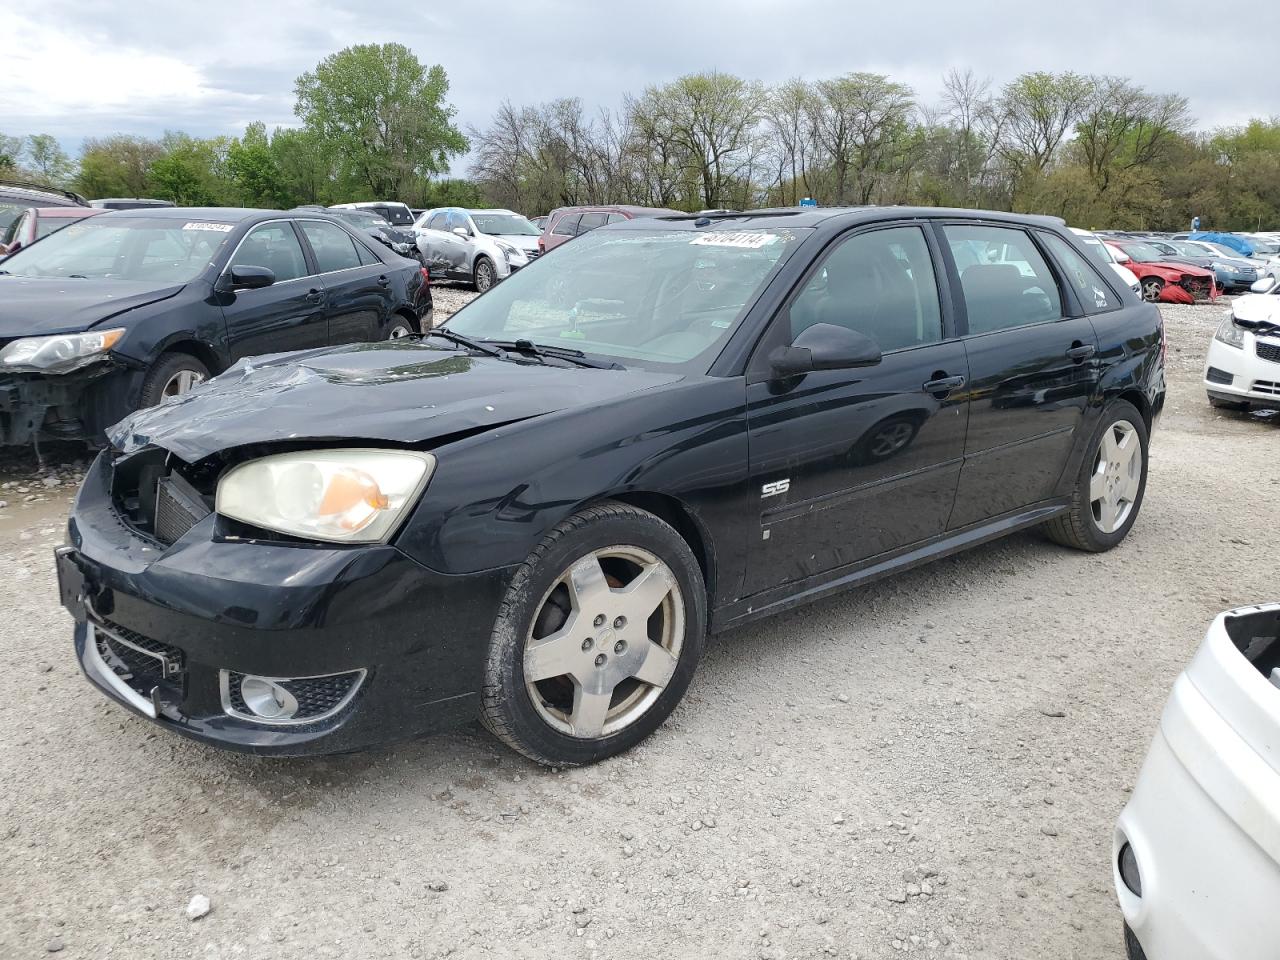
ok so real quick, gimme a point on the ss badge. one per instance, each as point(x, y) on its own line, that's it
point(775, 488)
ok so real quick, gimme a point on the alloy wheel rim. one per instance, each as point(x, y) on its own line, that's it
point(484, 277)
point(399, 331)
point(1116, 477)
point(180, 383)
point(605, 642)
point(1151, 290)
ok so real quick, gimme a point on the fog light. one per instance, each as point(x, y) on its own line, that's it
point(267, 699)
point(1129, 870)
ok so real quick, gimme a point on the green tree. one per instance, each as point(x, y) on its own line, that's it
point(45, 156)
point(189, 172)
point(384, 114)
point(305, 164)
point(254, 170)
point(117, 166)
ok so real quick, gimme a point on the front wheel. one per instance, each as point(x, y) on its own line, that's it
point(484, 274)
point(597, 639)
point(399, 328)
point(1152, 287)
point(170, 377)
point(1110, 485)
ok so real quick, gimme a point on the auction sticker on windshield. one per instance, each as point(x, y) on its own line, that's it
point(215, 227)
point(750, 240)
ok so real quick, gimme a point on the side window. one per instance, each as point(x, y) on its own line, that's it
point(457, 220)
point(17, 228)
point(274, 246)
point(615, 217)
point(367, 257)
point(567, 226)
point(592, 220)
point(881, 284)
point(333, 248)
point(1006, 282)
point(438, 221)
point(1091, 290)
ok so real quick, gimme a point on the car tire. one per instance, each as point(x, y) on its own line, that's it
point(1152, 287)
point(399, 327)
point(574, 585)
point(1132, 948)
point(1238, 405)
point(483, 274)
point(170, 377)
point(1097, 524)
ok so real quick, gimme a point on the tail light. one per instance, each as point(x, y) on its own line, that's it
point(426, 276)
point(542, 245)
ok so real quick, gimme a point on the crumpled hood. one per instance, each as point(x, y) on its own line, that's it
point(1258, 308)
point(31, 306)
point(402, 391)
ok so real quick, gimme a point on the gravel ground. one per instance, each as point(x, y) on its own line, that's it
point(929, 766)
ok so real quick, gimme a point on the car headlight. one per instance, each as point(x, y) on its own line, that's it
point(507, 249)
point(346, 496)
point(1229, 333)
point(59, 354)
point(1225, 267)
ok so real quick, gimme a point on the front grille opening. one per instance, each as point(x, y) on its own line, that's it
point(141, 662)
point(1267, 351)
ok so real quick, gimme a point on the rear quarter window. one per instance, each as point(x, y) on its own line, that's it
point(1093, 292)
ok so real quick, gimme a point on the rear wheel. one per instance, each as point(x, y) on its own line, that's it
point(170, 377)
point(1152, 287)
point(399, 327)
point(597, 639)
point(484, 274)
point(1110, 486)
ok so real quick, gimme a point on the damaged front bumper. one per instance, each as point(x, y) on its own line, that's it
point(71, 406)
point(373, 645)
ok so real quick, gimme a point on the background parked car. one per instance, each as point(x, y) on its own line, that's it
point(40, 222)
point(129, 203)
point(17, 196)
point(538, 222)
point(1167, 280)
point(1231, 271)
point(1196, 861)
point(478, 246)
point(565, 223)
point(1104, 254)
point(130, 308)
point(395, 213)
point(1242, 369)
point(398, 239)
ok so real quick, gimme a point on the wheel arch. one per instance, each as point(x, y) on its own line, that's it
point(1139, 399)
point(202, 351)
point(677, 514)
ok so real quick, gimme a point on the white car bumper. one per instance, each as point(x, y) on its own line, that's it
point(1204, 818)
point(1247, 374)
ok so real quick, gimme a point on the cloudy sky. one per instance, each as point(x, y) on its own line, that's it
point(79, 68)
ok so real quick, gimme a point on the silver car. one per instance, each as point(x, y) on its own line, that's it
point(478, 246)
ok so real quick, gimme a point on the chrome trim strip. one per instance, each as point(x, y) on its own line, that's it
point(93, 659)
point(224, 692)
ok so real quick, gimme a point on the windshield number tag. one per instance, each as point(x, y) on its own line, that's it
point(214, 227)
point(743, 239)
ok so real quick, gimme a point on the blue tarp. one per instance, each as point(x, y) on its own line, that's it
point(1239, 244)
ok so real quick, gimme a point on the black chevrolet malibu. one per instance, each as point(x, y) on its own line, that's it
point(127, 309)
point(539, 512)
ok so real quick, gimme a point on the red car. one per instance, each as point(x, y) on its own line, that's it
point(565, 223)
point(1166, 280)
point(40, 222)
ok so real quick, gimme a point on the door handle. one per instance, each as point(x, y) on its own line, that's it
point(384, 282)
point(1080, 352)
point(315, 296)
point(942, 385)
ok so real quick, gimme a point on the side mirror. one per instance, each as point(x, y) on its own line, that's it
point(251, 278)
point(825, 346)
point(462, 232)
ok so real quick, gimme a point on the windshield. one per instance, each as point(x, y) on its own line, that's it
point(48, 225)
point(659, 298)
point(399, 215)
point(1188, 249)
point(1142, 252)
point(358, 218)
point(1222, 250)
point(507, 224)
point(123, 248)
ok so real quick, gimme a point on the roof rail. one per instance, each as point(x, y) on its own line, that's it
point(41, 188)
